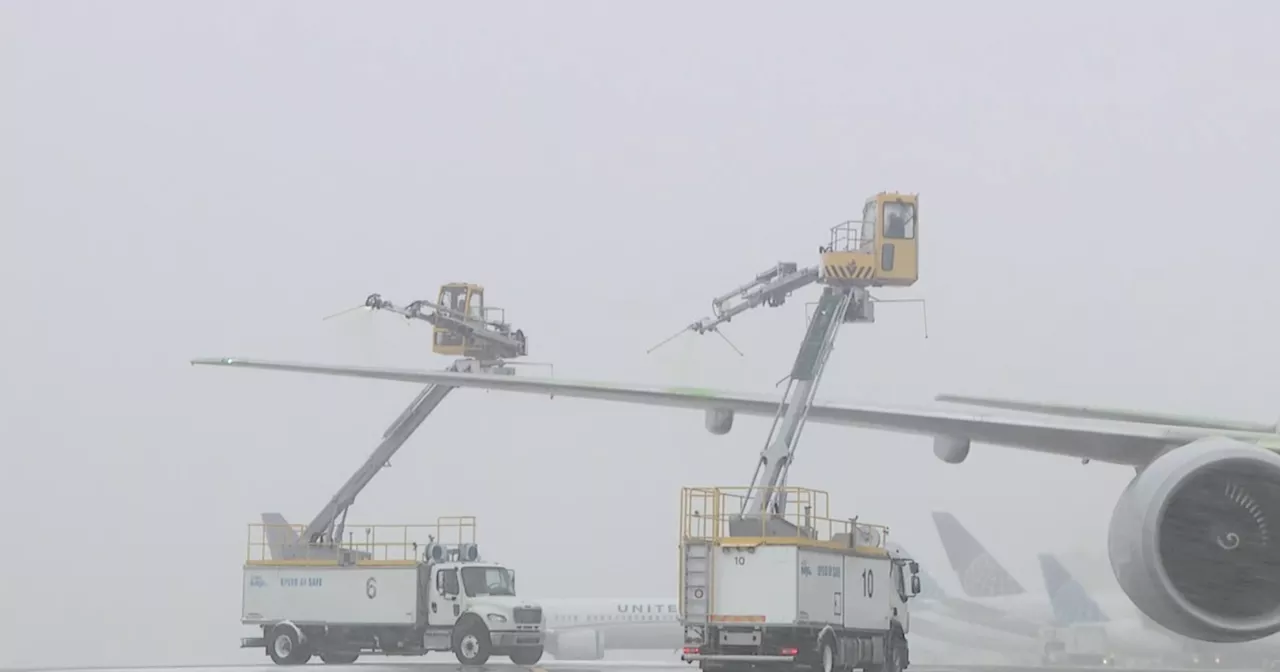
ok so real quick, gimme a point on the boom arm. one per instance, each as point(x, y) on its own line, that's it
point(451, 320)
point(326, 525)
point(765, 494)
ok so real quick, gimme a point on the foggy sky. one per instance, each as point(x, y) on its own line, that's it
point(210, 179)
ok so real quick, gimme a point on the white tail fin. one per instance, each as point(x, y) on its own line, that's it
point(279, 534)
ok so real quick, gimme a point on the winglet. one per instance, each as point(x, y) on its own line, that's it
point(1114, 414)
point(979, 573)
point(1071, 602)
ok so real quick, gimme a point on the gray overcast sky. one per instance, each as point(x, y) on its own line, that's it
point(200, 179)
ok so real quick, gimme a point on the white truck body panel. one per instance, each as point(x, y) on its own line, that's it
point(752, 583)
point(787, 585)
point(331, 594)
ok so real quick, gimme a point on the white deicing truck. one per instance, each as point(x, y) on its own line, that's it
point(825, 595)
point(399, 592)
point(767, 578)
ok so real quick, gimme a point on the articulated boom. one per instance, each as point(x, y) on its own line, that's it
point(461, 327)
point(877, 251)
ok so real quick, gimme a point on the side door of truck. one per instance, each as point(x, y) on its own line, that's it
point(444, 605)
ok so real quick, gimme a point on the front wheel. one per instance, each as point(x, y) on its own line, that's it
point(526, 655)
point(895, 658)
point(471, 644)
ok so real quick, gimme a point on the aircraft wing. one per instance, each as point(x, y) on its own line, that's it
point(1116, 414)
point(1118, 443)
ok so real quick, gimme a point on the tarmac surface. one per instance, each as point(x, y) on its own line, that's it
point(549, 666)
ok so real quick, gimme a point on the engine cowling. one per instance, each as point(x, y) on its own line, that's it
point(1195, 541)
point(719, 421)
point(951, 449)
point(578, 645)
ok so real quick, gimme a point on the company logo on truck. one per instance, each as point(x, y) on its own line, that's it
point(301, 581)
point(822, 570)
point(257, 581)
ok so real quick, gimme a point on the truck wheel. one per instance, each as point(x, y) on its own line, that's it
point(526, 655)
point(471, 644)
point(285, 647)
point(339, 658)
point(827, 655)
point(894, 660)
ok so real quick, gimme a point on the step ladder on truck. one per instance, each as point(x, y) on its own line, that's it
point(316, 590)
point(414, 589)
point(767, 577)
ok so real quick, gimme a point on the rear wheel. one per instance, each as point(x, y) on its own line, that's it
point(827, 656)
point(285, 646)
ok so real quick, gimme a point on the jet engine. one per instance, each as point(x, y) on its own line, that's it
point(1191, 541)
point(719, 421)
point(578, 645)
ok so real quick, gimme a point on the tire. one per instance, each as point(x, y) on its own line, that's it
point(895, 661)
point(471, 644)
point(339, 658)
point(826, 656)
point(526, 655)
point(285, 647)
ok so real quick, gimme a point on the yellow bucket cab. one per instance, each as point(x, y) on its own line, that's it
point(768, 579)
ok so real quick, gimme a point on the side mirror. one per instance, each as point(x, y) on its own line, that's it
point(915, 585)
point(915, 567)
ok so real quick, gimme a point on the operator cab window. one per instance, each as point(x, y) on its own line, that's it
point(867, 239)
point(449, 580)
point(899, 220)
point(487, 581)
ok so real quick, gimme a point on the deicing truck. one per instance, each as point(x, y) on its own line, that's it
point(390, 594)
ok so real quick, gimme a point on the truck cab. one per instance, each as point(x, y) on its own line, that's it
point(472, 606)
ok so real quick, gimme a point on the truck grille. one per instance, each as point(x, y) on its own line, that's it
point(528, 614)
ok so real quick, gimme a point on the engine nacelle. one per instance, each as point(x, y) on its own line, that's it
point(719, 421)
point(1191, 541)
point(951, 449)
point(578, 645)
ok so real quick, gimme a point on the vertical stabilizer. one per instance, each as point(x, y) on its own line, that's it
point(280, 536)
point(979, 573)
point(1071, 602)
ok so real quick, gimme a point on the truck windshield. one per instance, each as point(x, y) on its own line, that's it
point(487, 581)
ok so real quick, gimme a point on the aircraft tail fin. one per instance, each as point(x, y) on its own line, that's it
point(280, 535)
point(979, 573)
point(1071, 602)
point(1115, 414)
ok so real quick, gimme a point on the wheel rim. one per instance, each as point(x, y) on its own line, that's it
point(826, 658)
point(283, 646)
point(470, 646)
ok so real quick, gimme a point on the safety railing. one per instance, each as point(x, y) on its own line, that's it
point(716, 514)
point(847, 237)
point(363, 544)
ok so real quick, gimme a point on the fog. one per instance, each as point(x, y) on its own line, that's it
point(184, 180)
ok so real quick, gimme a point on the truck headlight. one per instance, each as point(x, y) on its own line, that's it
point(497, 618)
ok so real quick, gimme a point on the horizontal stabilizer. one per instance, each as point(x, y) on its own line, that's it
point(1114, 414)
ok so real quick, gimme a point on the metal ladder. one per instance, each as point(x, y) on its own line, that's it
point(696, 607)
